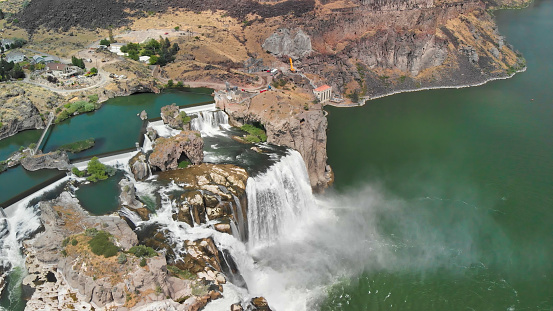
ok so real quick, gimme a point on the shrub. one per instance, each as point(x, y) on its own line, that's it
point(91, 232)
point(184, 117)
point(255, 134)
point(65, 242)
point(142, 251)
point(122, 258)
point(78, 146)
point(183, 274)
point(170, 83)
point(143, 262)
point(184, 164)
point(105, 42)
point(78, 172)
point(74, 242)
point(96, 170)
point(101, 244)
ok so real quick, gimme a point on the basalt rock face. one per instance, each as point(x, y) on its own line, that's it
point(52, 160)
point(17, 112)
point(168, 151)
point(212, 192)
point(284, 42)
point(139, 166)
point(170, 115)
point(382, 46)
point(291, 121)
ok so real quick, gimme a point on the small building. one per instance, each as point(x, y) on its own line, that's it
point(48, 59)
point(323, 93)
point(37, 59)
point(53, 67)
point(16, 57)
point(144, 59)
point(116, 48)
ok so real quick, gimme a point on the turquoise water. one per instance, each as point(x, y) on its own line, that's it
point(463, 185)
point(115, 126)
point(102, 197)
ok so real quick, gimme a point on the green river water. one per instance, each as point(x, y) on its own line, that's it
point(115, 127)
point(464, 181)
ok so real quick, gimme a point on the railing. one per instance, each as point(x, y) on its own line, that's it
point(50, 119)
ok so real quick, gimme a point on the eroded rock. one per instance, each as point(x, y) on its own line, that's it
point(168, 151)
point(139, 166)
point(52, 160)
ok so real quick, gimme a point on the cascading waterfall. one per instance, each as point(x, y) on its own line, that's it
point(209, 122)
point(277, 199)
point(21, 222)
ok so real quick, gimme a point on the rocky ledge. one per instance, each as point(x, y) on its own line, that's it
point(168, 151)
point(52, 160)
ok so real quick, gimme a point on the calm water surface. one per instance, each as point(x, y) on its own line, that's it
point(465, 178)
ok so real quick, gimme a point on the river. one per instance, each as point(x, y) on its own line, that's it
point(452, 189)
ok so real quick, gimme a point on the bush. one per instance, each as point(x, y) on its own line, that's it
point(122, 258)
point(65, 242)
point(184, 117)
point(78, 146)
point(105, 42)
point(96, 170)
point(170, 83)
point(74, 242)
point(184, 164)
point(101, 244)
point(91, 232)
point(143, 262)
point(78, 172)
point(255, 134)
point(182, 274)
point(142, 251)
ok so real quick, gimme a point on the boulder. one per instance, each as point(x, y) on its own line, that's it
point(293, 43)
point(260, 304)
point(170, 115)
point(168, 151)
point(139, 166)
point(143, 115)
point(52, 160)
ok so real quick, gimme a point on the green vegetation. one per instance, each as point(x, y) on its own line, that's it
point(142, 251)
point(105, 42)
point(161, 52)
point(1, 124)
point(402, 79)
point(143, 262)
point(78, 146)
point(255, 134)
point(65, 242)
point(354, 96)
point(79, 62)
point(122, 258)
point(182, 274)
point(98, 171)
point(184, 117)
point(183, 164)
point(74, 242)
point(10, 71)
point(78, 172)
point(170, 83)
point(93, 71)
point(80, 106)
point(101, 244)
point(280, 83)
point(91, 232)
point(177, 28)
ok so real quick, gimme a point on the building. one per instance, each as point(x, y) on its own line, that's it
point(55, 67)
point(16, 57)
point(144, 59)
point(323, 93)
point(116, 48)
point(37, 59)
point(6, 43)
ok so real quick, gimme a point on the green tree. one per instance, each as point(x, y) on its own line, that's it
point(96, 170)
point(17, 72)
point(93, 70)
point(176, 28)
point(105, 42)
point(170, 83)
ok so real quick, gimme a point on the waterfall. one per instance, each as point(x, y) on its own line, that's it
point(209, 122)
point(277, 199)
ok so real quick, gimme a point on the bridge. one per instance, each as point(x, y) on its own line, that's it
point(50, 120)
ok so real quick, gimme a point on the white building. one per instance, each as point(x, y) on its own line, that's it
point(323, 93)
point(144, 59)
point(16, 57)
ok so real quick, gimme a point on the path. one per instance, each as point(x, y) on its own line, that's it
point(50, 119)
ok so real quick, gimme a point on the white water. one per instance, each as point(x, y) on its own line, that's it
point(277, 200)
point(209, 123)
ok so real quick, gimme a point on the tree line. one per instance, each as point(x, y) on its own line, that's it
point(161, 52)
point(9, 70)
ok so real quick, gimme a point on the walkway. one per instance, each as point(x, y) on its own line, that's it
point(50, 119)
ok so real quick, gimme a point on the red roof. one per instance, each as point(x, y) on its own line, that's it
point(54, 66)
point(322, 88)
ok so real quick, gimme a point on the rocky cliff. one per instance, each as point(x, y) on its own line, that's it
point(52, 160)
point(17, 111)
point(291, 119)
point(168, 151)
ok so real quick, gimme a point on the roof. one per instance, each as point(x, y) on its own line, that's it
point(55, 66)
point(322, 88)
point(14, 56)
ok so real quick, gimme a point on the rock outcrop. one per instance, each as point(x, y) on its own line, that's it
point(285, 42)
point(80, 279)
point(290, 120)
point(215, 192)
point(170, 115)
point(168, 151)
point(52, 160)
point(139, 166)
point(17, 112)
